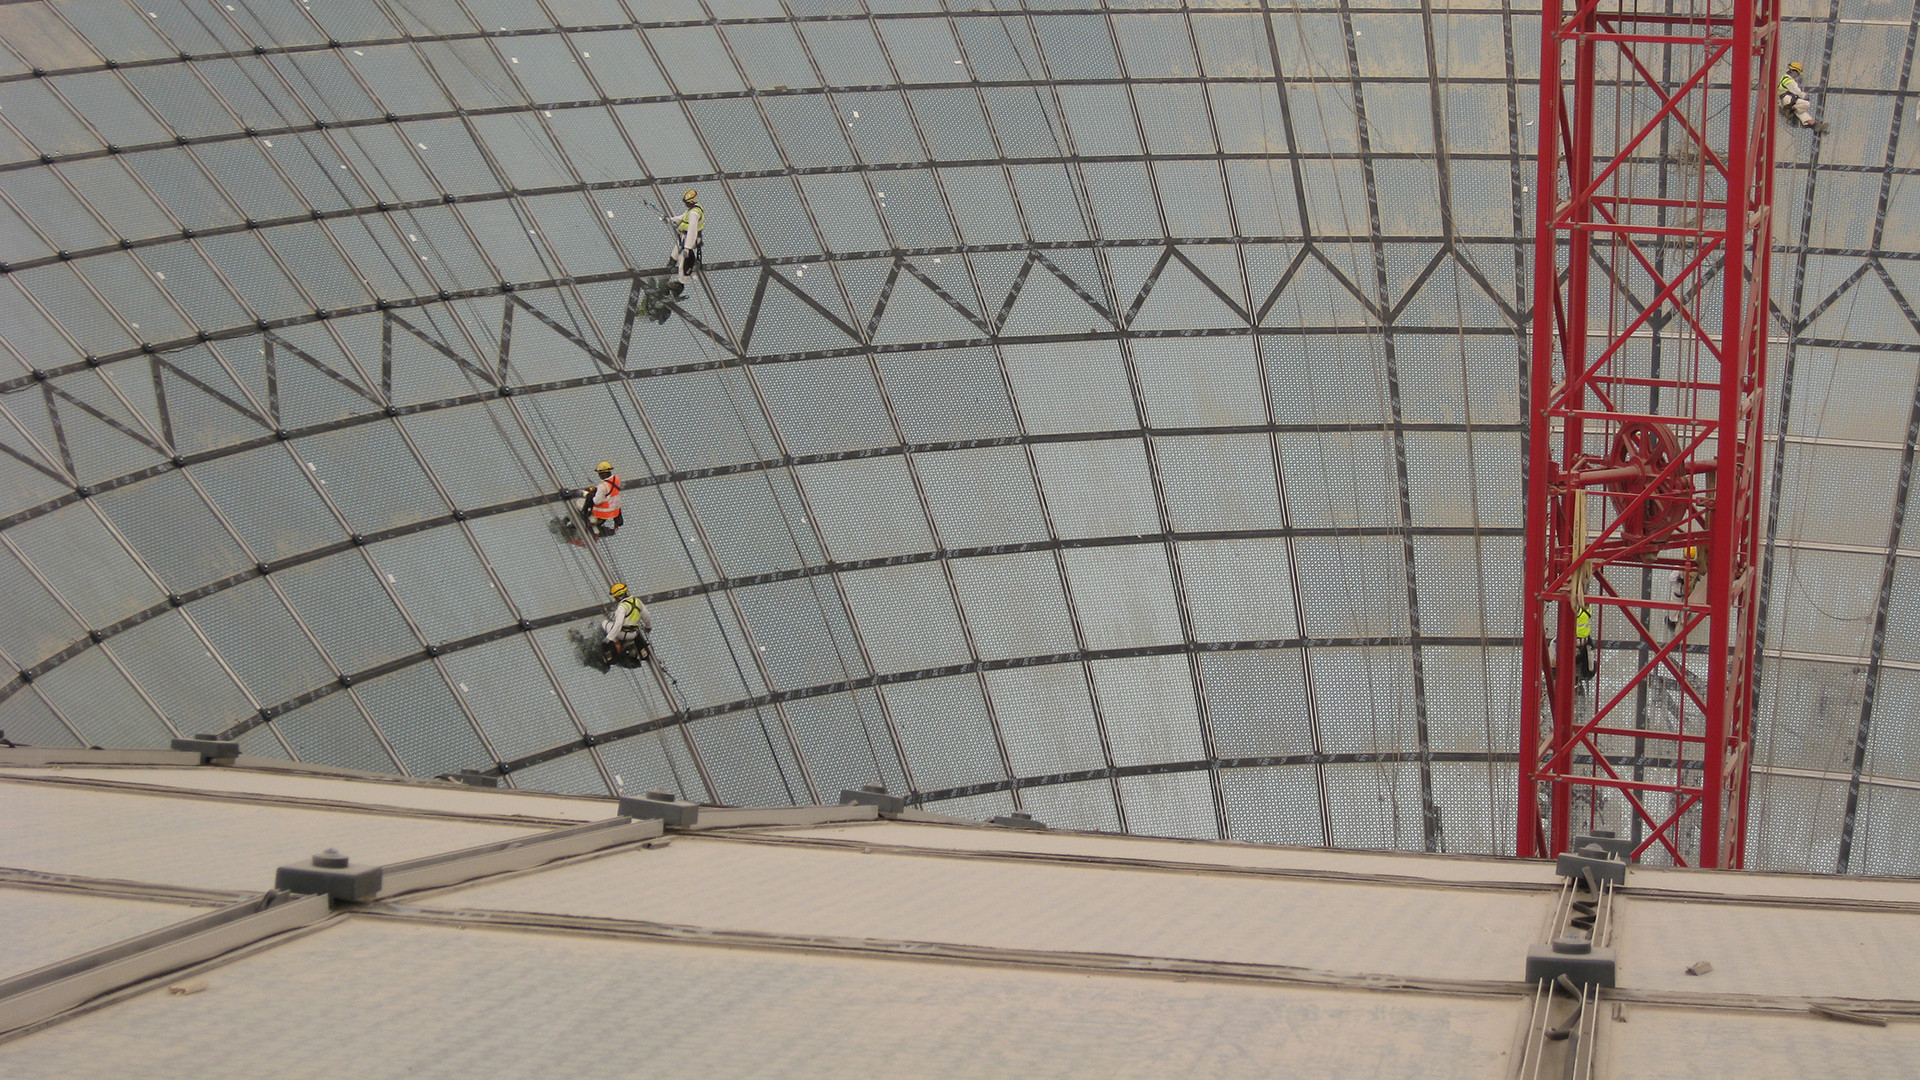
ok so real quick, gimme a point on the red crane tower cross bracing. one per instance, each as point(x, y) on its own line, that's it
point(1654, 231)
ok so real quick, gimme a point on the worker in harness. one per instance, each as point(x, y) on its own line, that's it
point(1793, 100)
point(1583, 658)
point(625, 629)
point(600, 504)
point(687, 230)
point(1688, 585)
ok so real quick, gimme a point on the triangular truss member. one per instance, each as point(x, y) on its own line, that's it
point(912, 308)
point(281, 345)
point(949, 281)
point(1835, 312)
point(50, 463)
point(1402, 258)
point(200, 399)
point(74, 390)
point(784, 319)
point(1086, 284)
point(1321, 290)
point(433, 342)
point(1048, 304)
point(1450, 290)
point(1177, 295)
point(1899, 296)
point(1293, 266)
point(1500, 300)
point(568, 333)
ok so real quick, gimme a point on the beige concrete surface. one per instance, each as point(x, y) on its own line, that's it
point(42, 926)
point(1401, 930)
point(444, 799)
point(373, 1000)
point(1700, 1044)
point(1787, 951)
point(1215, 853)
point(205, 843)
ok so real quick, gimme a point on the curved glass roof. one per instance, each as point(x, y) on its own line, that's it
point(1110, 411)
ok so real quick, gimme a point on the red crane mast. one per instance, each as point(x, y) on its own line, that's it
point(1653, 238)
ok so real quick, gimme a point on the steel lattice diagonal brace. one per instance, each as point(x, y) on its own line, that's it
point(1653, 238)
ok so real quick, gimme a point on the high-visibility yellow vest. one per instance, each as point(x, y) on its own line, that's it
point(690, 218)
point(1582, 625)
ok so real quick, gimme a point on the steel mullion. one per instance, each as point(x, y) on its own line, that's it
point(1315, 730)
point(74, 614)
point(59, 714)
point(1083, 201)
point(1430, 814)
point(738, 349)
point(1182, 608)
point(846, 298)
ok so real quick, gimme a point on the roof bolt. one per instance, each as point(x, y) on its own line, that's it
point(330, 859)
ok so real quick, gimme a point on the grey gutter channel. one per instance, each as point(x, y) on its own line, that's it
point(47, 992)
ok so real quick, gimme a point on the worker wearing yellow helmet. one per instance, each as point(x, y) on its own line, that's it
point(1793, 99)
point(688, 228)
point(625, 628)
point(1688, 583)
point(600, 504)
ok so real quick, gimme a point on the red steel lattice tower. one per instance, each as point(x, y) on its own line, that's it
point(1651, 252)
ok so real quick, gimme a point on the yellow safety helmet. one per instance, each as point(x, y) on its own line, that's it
point(1693, 552)
point(1795, 67)
point(603, 468)
point(617, 590)
point(690, 197)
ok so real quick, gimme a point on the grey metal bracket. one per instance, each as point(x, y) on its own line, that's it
point(1605, 869)
point(875, 796)
point(212, 749)
point(1019, 819)
point(1604, 842)
point(662, 806)
point(1575, 957)
point(330, 875)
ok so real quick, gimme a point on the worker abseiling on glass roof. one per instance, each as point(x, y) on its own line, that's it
point(1583, 650)
point(687, 229)
point(625, 629)
point(1794, 100)
point(599, 505)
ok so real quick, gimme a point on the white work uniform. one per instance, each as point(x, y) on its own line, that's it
point(1792, 97)
point(687, 240)
point(629, 620)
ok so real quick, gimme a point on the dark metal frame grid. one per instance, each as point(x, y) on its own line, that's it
point(731, 336)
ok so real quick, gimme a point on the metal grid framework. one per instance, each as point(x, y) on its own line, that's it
point(1645, 435)
point(1108, 411)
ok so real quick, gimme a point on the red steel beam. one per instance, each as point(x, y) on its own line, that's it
point(1654, 218)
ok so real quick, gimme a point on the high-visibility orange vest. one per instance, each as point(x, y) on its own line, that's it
point(608, 509)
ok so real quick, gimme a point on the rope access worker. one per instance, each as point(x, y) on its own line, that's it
point(600, 504)
point(626, 627)
point(1794, 100)
point(687, 240)
point(1689, 586)
point(1582, 647)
